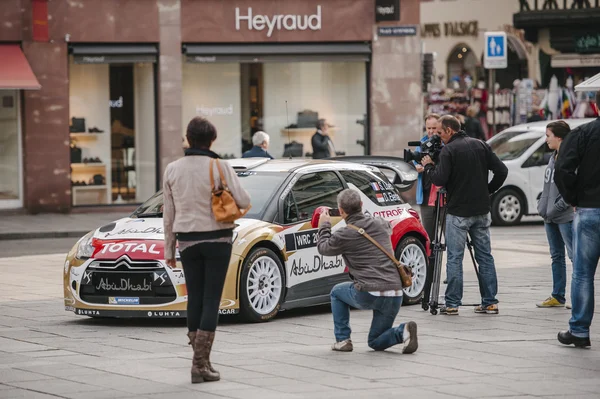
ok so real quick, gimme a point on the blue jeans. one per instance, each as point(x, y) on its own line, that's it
point(385, 309)
point(586, 251)
point(478, 228)
point(559, 235)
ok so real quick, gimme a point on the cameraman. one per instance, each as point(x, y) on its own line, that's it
point(462, 169)
point(424, 183)
point(377, 284)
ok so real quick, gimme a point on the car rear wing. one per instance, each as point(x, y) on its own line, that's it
point(244, 164)
point(400, 173)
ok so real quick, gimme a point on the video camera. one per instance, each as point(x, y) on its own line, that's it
point(431, 147)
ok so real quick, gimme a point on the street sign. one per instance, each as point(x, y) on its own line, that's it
point(495, 54)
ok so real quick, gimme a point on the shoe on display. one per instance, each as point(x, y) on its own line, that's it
point(550, 302)
point(566, 338)
point(95, 130)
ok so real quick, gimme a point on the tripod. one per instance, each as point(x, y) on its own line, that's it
point(431, 291)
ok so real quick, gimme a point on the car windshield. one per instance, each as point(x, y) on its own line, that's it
point(260, 186)
point(511, 145)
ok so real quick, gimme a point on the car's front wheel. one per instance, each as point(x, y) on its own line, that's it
point(261, 288)
point(508, 207)
point(410, 252)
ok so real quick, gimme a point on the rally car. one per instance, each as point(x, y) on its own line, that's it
point(118, 270)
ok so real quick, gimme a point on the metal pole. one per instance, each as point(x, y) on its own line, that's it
point(493, 102)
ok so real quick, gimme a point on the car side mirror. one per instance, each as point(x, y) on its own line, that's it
point(402, 179)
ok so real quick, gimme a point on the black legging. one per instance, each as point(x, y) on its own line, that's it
point(205, 267)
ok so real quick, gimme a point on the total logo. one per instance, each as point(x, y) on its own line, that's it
point(164, 314)
point(87, 312)
point(130, 247)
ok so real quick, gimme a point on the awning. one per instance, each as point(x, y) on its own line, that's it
point(15, 72)
point(592, 84)
point(113, 53)
point(575, 60)
point(280, 52)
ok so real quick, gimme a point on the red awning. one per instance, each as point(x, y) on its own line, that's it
point(15, 72)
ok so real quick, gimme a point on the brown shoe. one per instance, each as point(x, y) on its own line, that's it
point(192, 338)
point(200, 364)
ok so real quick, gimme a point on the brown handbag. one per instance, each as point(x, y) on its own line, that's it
point(405, 272)
point(223, 204)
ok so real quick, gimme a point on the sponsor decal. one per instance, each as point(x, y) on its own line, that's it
point(163, 314)
point(319, 264)
point(125, 285)
point(380, 197)
point(301, 240)
point(135, 221)
point(87, 277)
point(162, 276)
point(69, 308)
point(387, 185)
point(389, 213)
point(227, 303)
point(119, 300)
point(392, 196)
point(375, 186)
point(130, 247)
point(149, 230)
point(228, 311)
point(88, 312)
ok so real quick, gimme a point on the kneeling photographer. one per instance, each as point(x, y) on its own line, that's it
point(377, 283)
point(462, 168)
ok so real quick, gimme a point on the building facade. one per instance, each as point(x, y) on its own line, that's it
point(114, 83)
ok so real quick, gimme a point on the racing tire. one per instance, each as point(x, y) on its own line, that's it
point(508, 207)
point(411, 252)
point(262, 286)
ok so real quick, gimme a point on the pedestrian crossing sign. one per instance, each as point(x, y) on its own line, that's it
point(495, 56)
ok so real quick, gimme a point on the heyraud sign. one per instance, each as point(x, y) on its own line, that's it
point(270, 23)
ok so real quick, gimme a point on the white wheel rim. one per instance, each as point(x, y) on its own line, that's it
point(509, 208)
point(264, 285)
point(413, 257)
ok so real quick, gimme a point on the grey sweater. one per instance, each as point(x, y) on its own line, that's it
point(370, 268)
point(552, 207)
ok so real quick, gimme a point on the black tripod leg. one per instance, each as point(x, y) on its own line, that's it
point(470, 247)
point(428, 281)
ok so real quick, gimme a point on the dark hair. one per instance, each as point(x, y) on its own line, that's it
point(320, 123)
point(559, 129)
point(448, 121)
point(200, 133)
point(432, 116)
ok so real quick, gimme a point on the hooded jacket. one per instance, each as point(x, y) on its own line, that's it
point(551, 206)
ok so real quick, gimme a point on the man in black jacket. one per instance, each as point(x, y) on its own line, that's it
point(577, 176)
point(462, 169)
point(321, 142)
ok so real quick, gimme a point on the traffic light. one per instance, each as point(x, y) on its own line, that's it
point(426, 70)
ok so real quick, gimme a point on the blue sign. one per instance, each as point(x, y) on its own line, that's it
point(123, 300)
point(495, 55)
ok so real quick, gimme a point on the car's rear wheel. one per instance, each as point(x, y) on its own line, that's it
point(261, 288)
point(411, 252)
point(508, 207)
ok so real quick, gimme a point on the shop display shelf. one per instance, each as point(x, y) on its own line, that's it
point(88, 166)
point(90, 187)
point(83, 135)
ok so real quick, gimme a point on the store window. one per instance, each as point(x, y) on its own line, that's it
point(10, 150)
point(112, 131)
point(283, 95)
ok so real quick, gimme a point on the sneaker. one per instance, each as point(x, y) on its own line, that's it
point(568, 306)
point(550, 302)
point(491, 309)
point(343, 346)
point(449, 311)
point(409, 337)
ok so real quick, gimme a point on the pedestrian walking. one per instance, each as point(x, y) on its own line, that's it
point(204, 244)
point(260, 140)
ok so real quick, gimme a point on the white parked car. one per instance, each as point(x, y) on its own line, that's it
point(524, 151)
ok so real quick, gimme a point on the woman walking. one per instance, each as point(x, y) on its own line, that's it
point(204, 244)
point(558, 219)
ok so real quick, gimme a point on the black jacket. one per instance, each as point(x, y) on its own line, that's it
point(463, 170)
point(320, 145)
point(577, 169)
point(473, 129)
point(256, 152)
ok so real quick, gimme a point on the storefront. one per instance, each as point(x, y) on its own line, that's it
point(279, 69)
point(15, 75)
point(112, 123)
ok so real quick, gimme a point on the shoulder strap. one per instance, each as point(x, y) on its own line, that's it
point(363, 233)
point(223, 181)
point(212, 178)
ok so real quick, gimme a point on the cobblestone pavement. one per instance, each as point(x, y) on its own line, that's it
point(46, 352)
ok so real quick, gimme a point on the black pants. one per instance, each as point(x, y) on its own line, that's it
point(205, 266)
point(428, 218)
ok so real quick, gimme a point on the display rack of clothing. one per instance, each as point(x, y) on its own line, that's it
point(447, 101)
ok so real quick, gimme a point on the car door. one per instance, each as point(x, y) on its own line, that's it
point(535, 166)
point(308, 274)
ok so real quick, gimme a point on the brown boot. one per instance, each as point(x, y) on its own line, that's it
point(192, 337)
point(200, 364)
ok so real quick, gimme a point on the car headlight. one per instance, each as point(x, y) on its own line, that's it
point(84, 246)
